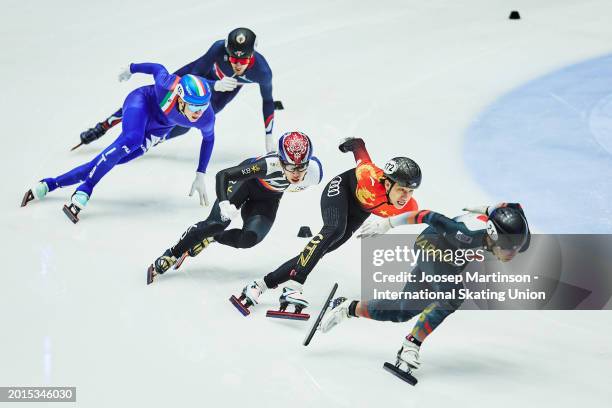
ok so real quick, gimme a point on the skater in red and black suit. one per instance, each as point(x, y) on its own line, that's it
point(347, 201)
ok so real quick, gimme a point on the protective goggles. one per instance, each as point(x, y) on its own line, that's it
point(507, 253)
point(292, 168)
point(197, 108)
point(241, 61)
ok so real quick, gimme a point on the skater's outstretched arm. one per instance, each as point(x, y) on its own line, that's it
point(160, 74)
point(244, 171)
point(206, 148)
point(441, 223)
point(357, 146)
point(454, 231)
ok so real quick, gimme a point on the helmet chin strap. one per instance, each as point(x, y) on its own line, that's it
point(392, 183)
point(182, 111)
point(488, 243)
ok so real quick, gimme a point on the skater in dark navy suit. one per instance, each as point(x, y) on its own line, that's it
point(501, 230)
point(230, 63)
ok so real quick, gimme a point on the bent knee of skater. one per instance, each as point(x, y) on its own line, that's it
point(249, 239)
point(333, 232)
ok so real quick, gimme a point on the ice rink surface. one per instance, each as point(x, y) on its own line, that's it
point(409, 77)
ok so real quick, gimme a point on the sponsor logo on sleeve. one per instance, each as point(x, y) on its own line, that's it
point(461, 237)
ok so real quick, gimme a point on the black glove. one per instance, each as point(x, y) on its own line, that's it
point(94, 133)
point(348, 144)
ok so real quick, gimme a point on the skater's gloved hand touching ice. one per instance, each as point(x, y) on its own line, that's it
point(375, 227)
point(199, 185)
point(125, 74)
point(228, 210)
point(226, 84)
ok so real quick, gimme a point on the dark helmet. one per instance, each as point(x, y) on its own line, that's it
point(507, 227)
point(403, 171)
point(240, 43)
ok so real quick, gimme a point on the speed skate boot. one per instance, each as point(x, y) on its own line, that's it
point(161, 265)
point(338, 313)
point(249, 296)
point(408, 355)
point(78, 201)
point(94, 133)
point(195, 251)
point(38, 192)
point(292, 295)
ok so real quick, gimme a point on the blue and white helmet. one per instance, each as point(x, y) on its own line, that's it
point(193, 90)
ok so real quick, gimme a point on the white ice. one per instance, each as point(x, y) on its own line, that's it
point(407, 76)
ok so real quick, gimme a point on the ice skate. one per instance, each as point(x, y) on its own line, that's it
point(161, 265)
point(337, 314)
point(408, 355)
point(291, 296)
point(38, 192)
point(326, 306)
point(78, 201)
point(195, 251)
point(249, 296)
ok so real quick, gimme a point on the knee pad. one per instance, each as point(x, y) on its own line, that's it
point(248, 239)
point(449, 307)
point(204, 229)
point(332, 232)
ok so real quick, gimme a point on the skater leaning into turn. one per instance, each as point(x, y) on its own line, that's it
point(346, 202)
point(253, 188)
point(230, 63)
point(501, 230)
point(150, 112)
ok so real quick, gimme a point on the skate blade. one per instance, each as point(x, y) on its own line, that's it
point(401, 374)
point(315, 326)
point(150, 274)
point(180, 261)
point(71, 216)
point(27, 197)
point(287, 315)
point(242, 308)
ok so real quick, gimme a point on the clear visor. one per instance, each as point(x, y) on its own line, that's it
point(196, 108)
point(295, 167)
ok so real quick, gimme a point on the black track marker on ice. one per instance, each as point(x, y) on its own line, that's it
point(304, 232)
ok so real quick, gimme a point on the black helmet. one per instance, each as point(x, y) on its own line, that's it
point(507, 227)
point(240, 43)
point(403, 171)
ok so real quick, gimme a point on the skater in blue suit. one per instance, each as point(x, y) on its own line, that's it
point(149, 113)
point(230, 64)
